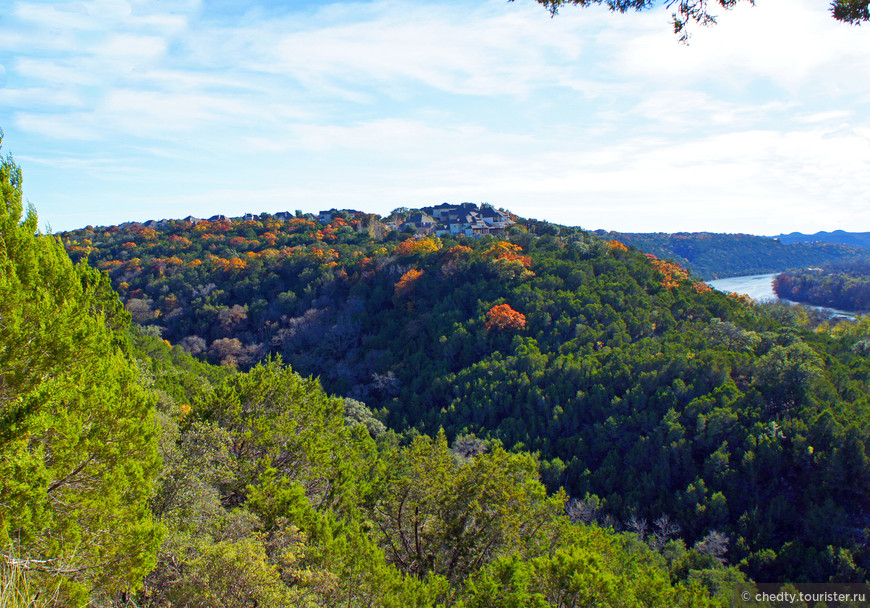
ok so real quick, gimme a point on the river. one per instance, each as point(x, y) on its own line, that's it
point(759, 287)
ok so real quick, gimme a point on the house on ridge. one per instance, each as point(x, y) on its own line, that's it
point(421, 222)
point(495, 219)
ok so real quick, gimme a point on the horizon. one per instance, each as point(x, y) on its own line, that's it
point(421, 208)
point(127, 111)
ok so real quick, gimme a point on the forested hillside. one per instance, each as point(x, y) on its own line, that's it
point(275, 494)
point(716, 256)
point(858, 239)
point(844, 286)
point(649, 397)
point(132, 474)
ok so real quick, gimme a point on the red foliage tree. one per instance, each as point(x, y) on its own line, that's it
point(503, 317)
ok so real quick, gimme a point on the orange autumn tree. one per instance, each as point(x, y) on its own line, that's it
point(407, 282)
point(503, 317)
point(457, 250)
point(505, 250)
point(180, 241)
point(507, 262)
point(231, 265)
point(673, 274)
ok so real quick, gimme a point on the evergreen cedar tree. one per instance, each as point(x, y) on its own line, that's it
point(78, 448)
point(698, 11)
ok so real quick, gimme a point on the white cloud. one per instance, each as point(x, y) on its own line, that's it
point(39, 97)
point(60, 17)
point(587, 118)
point(68, 126)
point(793, 44)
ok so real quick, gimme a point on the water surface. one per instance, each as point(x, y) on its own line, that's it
point(759, 287)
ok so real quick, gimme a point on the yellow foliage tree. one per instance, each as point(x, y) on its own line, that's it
point(415, 245)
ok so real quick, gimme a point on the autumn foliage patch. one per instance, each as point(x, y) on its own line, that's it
point(406, 284)
point(415, 245)
point(617, 246)
point(503, 317)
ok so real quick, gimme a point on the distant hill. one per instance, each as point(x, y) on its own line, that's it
point(843, 286)
point(853, 239)
point(715, 256)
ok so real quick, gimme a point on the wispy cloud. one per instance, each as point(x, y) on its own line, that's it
point(589, 118)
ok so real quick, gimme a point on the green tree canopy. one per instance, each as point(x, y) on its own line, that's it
point(77, 436)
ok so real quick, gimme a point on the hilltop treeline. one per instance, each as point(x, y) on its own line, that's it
point(715, 256)
point(845, 286)
point(858, 239)
point(647, 396)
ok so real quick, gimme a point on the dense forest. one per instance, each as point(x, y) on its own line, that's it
point(321, 414)
point(717, 256)
point(844, 286)
point(644, 393)
point(132, 474)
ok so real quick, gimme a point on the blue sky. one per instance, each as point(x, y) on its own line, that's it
point(123, 110)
